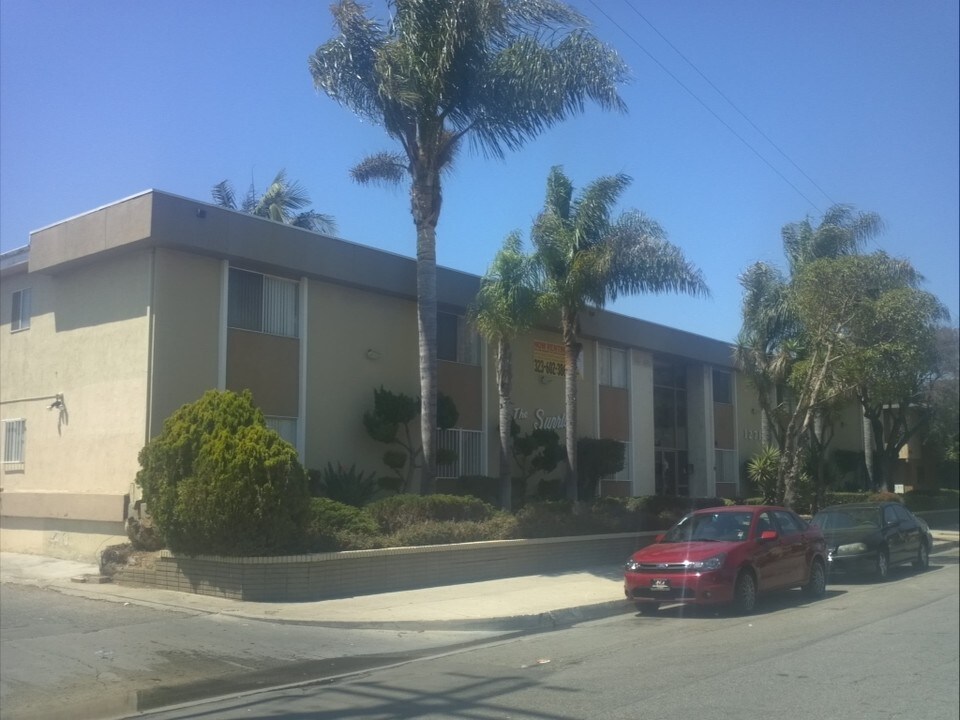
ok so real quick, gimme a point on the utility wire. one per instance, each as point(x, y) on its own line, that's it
point(708, 108)
point(731, 103)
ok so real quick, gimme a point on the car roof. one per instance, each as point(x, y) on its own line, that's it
point(860, 506)
point(739, 508)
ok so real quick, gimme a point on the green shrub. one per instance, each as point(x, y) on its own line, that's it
point(478, 486)
point(884, 496)
point(923, 500)
point(763, 471)
point(338, 526)
point(217, 481)
point(346, 485)
point(395, 513)
point(441, 532)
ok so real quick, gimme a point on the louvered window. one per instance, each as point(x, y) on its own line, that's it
point(263, 303)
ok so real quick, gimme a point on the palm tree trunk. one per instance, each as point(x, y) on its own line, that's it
point(868, 444)
point(425, 207)
point(505, 388)
point(572, 354)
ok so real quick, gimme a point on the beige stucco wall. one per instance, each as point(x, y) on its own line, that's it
point(88, 340)
point(186, 321)
point(343, 325)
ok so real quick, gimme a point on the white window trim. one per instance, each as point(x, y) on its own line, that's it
point(19, 436)
point(21, 322)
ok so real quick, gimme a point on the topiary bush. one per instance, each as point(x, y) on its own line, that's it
point(218, 481)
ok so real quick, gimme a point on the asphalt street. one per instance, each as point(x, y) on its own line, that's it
point(866, 651)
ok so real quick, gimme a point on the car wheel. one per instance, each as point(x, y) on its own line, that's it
point(745, 593)
point(648, 608)
point(816, 587)
point(883, 564)
point(923, 558)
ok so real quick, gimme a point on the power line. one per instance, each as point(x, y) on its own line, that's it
point(732, 104)
point(712, 111)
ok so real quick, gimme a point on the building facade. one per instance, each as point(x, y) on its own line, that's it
point(115, 318)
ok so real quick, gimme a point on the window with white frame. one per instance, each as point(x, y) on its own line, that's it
point(14, 436)
point(722, 387)
point(263, 303)
point(20, 312)
point(285, 427)
point(613, 367)
point(456, 341)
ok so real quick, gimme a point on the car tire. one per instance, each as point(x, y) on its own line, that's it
point(745, 593)
point(883, 564)
point(648, 608)
point(923, 558)
point(816, 586)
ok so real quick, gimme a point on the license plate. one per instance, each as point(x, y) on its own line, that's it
point(660, 585)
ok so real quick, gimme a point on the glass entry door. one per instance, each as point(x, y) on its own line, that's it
point(673, 477)
point(671, 459)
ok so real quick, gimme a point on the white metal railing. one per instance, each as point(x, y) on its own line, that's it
point(468, 445)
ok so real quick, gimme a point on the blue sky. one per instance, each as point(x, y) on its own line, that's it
point(102, 99)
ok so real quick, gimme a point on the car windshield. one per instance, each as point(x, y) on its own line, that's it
point(707, 527)
point(846, 518)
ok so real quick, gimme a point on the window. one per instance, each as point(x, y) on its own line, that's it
point(789, 525)
point(263, 303)
point(722, 391)
point(285, 427)
point(20, 314)
point(14, 434)
point(613, 367)
point(455, 341)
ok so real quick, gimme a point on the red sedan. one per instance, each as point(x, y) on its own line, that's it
point(728, 555)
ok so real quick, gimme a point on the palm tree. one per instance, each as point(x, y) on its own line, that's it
point(587, 259)
point(498, 72)
point(505, 306)
point(282, 202)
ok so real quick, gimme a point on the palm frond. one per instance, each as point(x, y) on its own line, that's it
point(223, 195)
point(382, 167)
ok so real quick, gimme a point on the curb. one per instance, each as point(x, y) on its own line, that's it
point(548, 620)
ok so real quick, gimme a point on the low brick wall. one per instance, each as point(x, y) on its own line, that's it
point(301, 578)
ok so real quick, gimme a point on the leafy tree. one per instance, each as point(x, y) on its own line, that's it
point(505, 306)
point(283, 202)
point(890, 348)
point(390, 422)
point(496, 72)
point(787, 357)
point(943, 435)
point(586, 259)
point(217, 480)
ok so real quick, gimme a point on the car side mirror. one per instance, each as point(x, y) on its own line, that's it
point(659, 537)
point(768, 535)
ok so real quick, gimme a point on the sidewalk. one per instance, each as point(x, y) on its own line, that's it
point(509, 604)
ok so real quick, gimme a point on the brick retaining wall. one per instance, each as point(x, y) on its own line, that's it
point(301, 578)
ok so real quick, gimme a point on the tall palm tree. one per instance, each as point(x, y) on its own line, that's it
point(505, 306)
point(497, 72)
point(283, 202)
point(587, 258)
